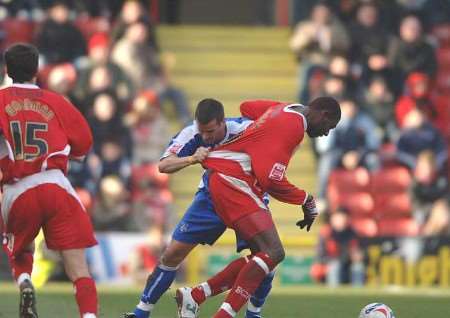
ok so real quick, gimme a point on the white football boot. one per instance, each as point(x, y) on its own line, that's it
point(187, 306)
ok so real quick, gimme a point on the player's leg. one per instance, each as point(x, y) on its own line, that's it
point(224, 280)
point(22, 220)
point(199, 225)
point(77, 270)
point(263, 234)
point(256, 302)
point(68, 229)
point(162, 277)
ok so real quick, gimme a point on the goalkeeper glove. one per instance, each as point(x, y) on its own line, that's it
point(310, 213)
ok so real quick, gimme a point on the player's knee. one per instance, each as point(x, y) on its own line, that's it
point(276, 254)
point(172, 258)
point(76, 273)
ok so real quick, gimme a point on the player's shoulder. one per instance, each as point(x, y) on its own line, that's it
point(187, 133)
point(236, 124)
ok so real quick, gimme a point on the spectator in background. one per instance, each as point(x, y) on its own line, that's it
point(111, 211)
point(133, 11)
point(335, 86)
point(417, 96)
point(141, 63)
point(149, 128)
point(339, 256)
point(58, 40)
point(99, 73)
point(113, 160)
point(411, 53)
point(417, 135)
point(370, 42)
point(314, 41)
point(430, 196)
point(353, 143)
point(340, 67)
point(105, 117)
point(378, 102)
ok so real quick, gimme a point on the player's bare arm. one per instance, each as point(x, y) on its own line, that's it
point(173, 163)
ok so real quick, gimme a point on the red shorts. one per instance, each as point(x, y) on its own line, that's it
point(65, 223)
point(239, 206)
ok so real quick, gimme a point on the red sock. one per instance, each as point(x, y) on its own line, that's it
point(248, 280)
point(220, 282)
point(86, 295)
point(21, 263)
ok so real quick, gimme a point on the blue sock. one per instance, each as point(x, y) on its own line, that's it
point(157, 284)
point(259, 297)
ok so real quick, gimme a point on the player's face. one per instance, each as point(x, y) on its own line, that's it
point(321, 127)
point(212, 132)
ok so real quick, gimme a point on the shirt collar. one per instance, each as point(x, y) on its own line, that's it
point(288, 109)
point(25, 85)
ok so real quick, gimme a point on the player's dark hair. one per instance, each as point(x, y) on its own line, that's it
point(328, 104)
point(209, 109)
point(21, 62)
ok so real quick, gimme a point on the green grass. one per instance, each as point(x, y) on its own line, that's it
point(56, 301)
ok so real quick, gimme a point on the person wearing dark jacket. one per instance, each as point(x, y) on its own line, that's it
point(429, 193)
point(419, 135)
point(59, 40)
point(412, 53)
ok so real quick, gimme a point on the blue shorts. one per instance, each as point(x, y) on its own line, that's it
point(201, 225)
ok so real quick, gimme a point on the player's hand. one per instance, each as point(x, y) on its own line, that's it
point(310, 213)
point(200, 154)
point(305, 222)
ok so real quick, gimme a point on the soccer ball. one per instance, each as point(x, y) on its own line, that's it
point(376, 310)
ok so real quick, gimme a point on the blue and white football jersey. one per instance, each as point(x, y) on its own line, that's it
point(188, 140)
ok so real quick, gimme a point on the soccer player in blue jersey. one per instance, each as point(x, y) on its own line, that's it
point(200, 224)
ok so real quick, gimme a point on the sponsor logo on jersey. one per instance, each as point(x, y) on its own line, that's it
point(277, 172)
point(175, 148)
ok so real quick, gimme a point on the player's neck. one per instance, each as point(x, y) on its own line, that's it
point(31, 82)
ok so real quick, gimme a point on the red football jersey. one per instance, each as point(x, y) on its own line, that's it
point(261, 154)
point(40, 130)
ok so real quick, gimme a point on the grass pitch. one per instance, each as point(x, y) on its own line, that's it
point(57, 301)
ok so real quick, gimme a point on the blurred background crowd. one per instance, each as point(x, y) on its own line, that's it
point(382, 172)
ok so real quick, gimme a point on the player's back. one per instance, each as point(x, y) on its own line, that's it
point(40, 129)
point(272, 137)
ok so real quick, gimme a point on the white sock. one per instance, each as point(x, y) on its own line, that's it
point(227, 307)
point(253, 308)
point(145, 307)
point(89, 315)
point(206, 289)
point(23, 277)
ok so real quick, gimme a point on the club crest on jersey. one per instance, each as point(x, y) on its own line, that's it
point(277, 172)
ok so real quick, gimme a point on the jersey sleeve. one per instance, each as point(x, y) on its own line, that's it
point(270, 169)
point(184, 144)
point(253, 109)
point(75, 126)
point(285, 191)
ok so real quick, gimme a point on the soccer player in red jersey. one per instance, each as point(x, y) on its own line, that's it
point(39, 132)
point(241, 171)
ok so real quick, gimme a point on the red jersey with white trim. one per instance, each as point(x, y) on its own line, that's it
point(261, 154)
point(40, 130)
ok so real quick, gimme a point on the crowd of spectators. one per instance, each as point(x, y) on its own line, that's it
point(387, 62)
point(104, 56)
point(386, 163)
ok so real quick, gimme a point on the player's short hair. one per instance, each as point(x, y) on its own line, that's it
point(328, 104)
point(22, 62)
point(209, 109)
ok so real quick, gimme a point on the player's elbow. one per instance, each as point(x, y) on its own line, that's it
point(162, 167)
point(165, 167)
